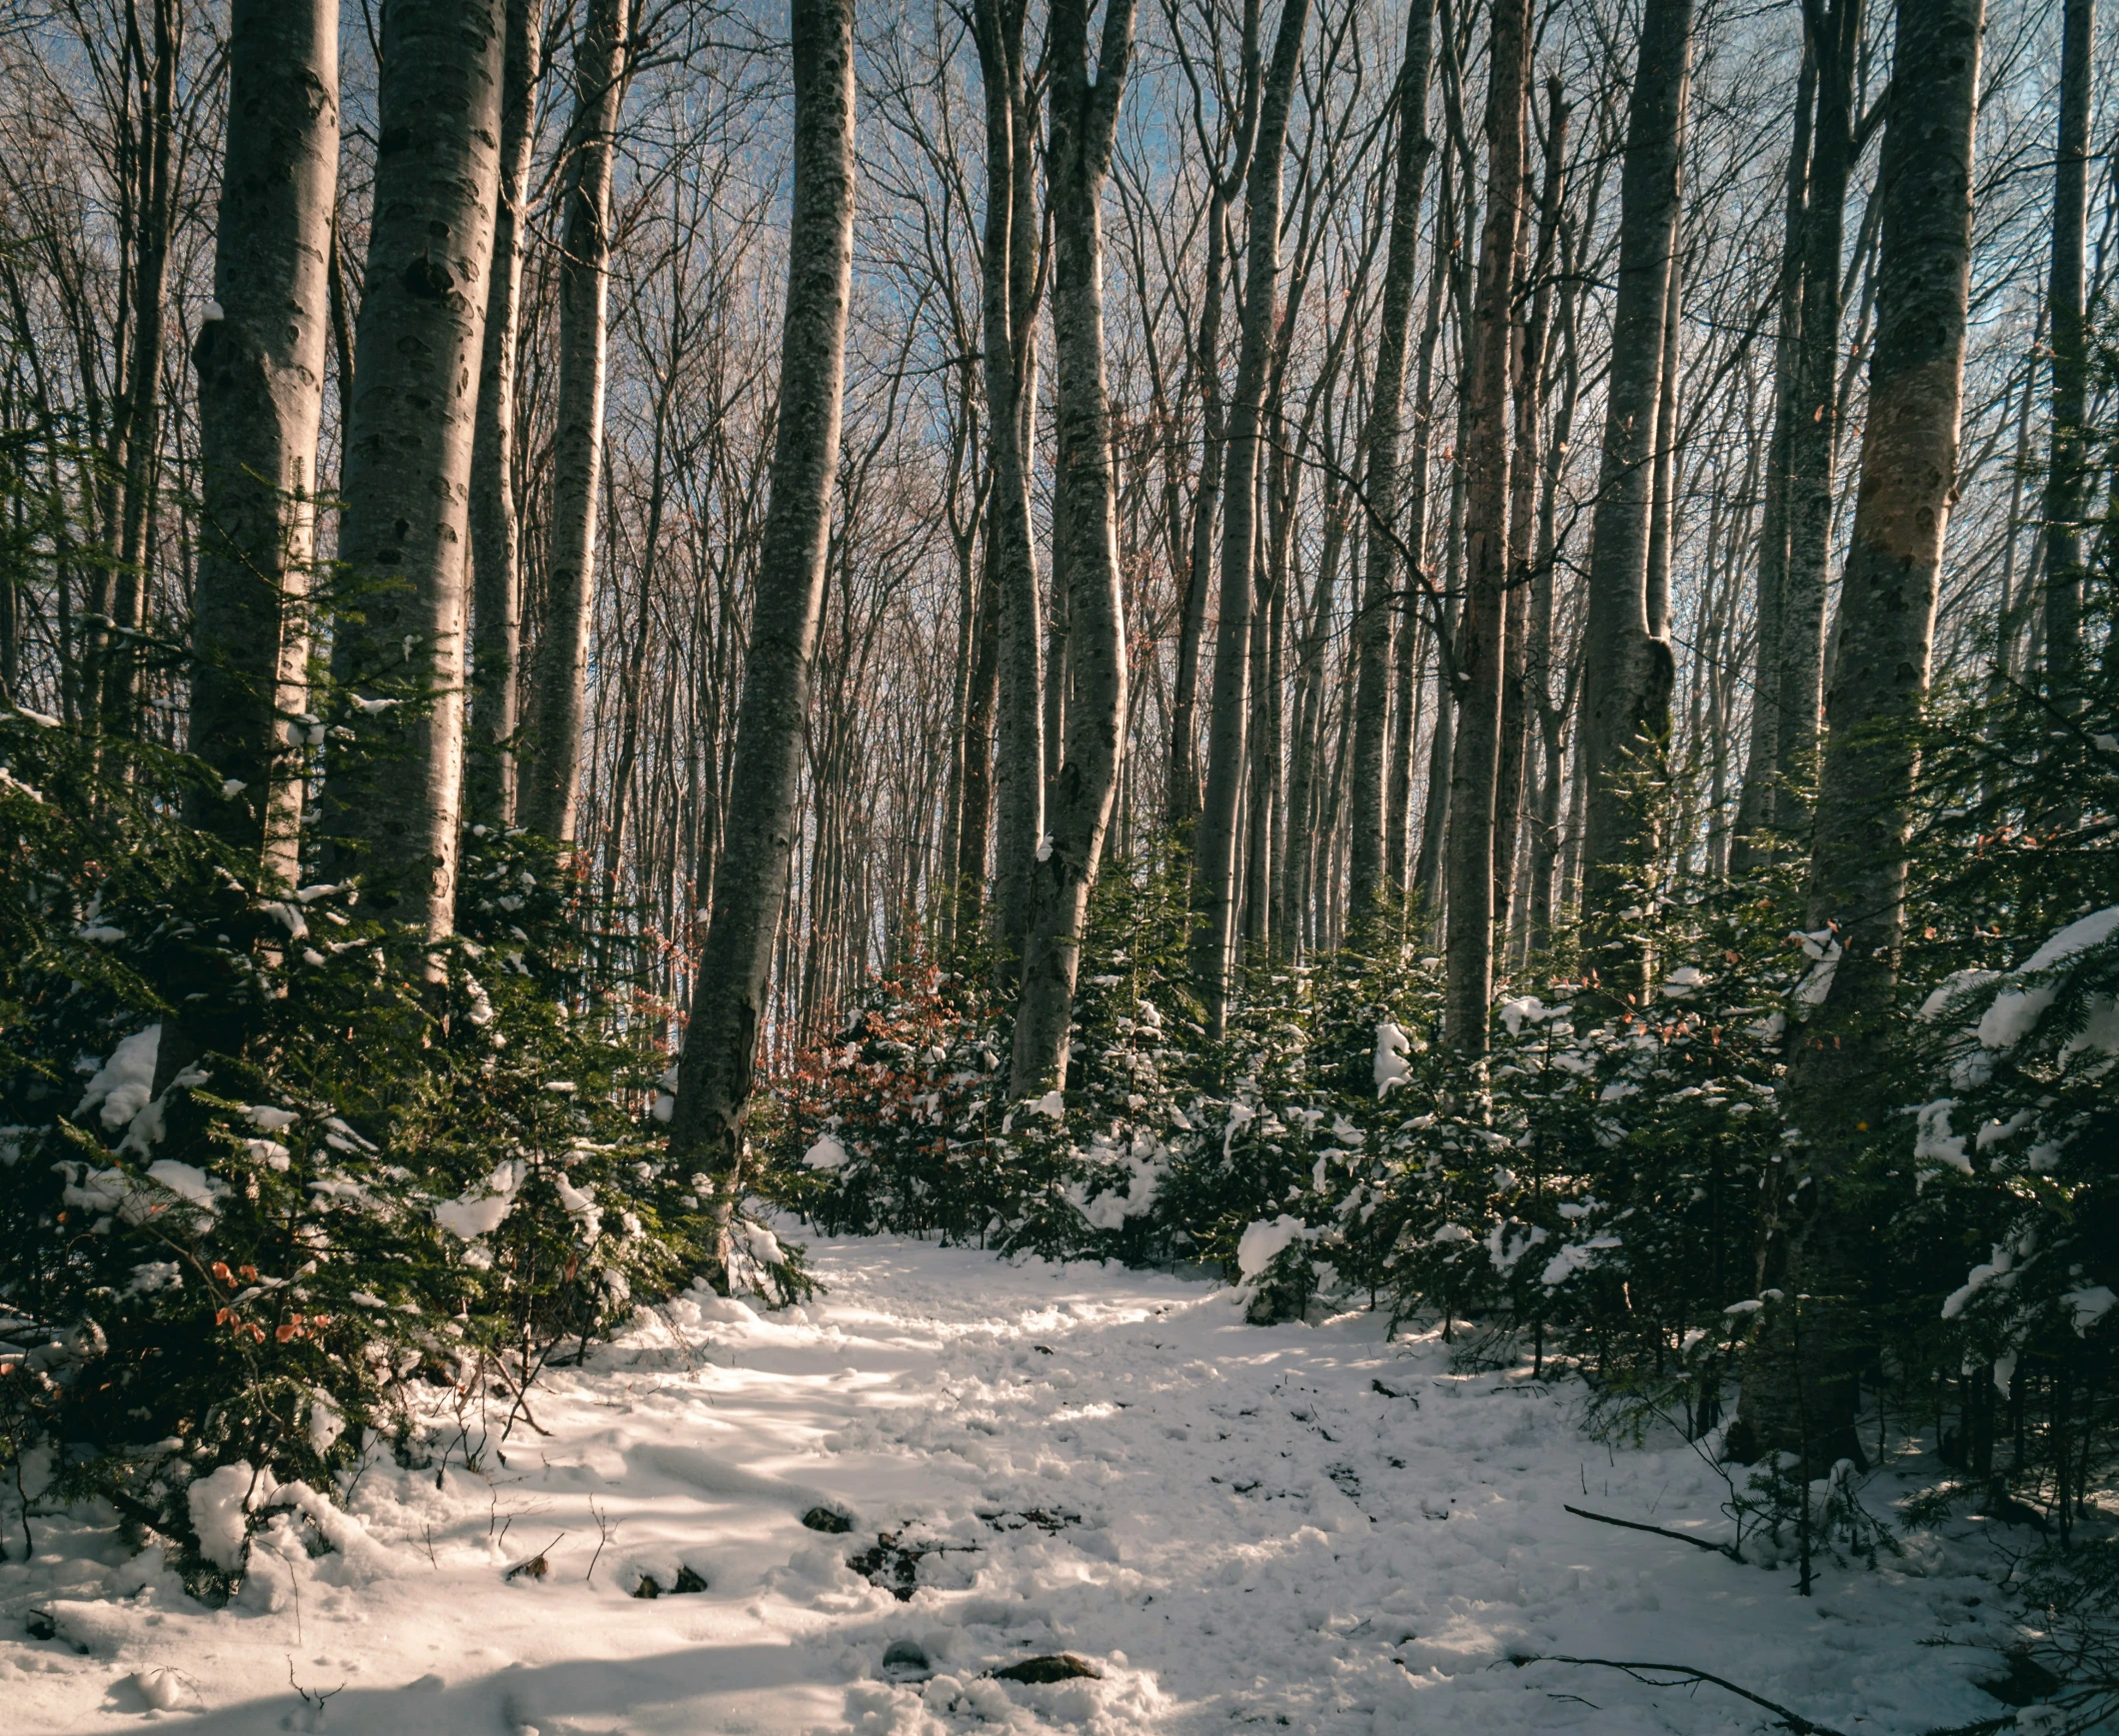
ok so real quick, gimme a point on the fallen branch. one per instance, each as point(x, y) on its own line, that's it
point(1728, 1549)
point(1684, 1673)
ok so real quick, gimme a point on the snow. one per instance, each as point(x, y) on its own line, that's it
point(1392, 1067)
point(2090, 1306)
point(482, 1210)
point(1300, 1527)
point(2078, 937)
point(220, 1512)
point(1262, 1240)
point(826, 1154)
point(120, 1086)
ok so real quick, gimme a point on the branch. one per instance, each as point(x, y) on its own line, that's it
point(1685, 1673)
point(1728, 1549)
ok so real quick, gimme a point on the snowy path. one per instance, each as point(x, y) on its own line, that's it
point(1302, 1528)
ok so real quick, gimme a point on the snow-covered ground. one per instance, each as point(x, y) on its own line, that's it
point(1300, 1527)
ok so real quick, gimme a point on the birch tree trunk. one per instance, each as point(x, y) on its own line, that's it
point(496, 552)
point(393, 796)
point(261, 393)
point(1369, 859)
point(1481, 636)
point(751, 879)
point(1216, 860)
point(1839, 1084)
point(1626, 694)
point(1083, 113)
point(553, 779)
point(2067, 476)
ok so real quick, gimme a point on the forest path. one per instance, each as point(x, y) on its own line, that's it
point(1299, 1527)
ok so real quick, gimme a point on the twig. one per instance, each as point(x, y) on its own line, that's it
point(1727, 1549)
point(1684, 1673)
point(604, 1529)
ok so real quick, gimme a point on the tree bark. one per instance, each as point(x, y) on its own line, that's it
point(1627, 695)
point(1481, 636)
point(1838, 1083)
point(496, 552)
point(750, 882)
point(261, 394)
point(393, 798)
point(2067, 476)
point(1216, 851)
point(1369, 857)
point(552, 780)
point(1083, 113)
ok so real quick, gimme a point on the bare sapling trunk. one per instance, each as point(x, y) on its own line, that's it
point(1217, 858)
point(1481, 636)
point(2068, 474)
point(496, 534)
point(751, 879)
point(392, 796)
point(1629, 667)
point(1838, 1081)
point(1369, 857)
point(261, 394)
point(156, 69)
point(1083, 115)
point(1183, 798)
point(553, 777)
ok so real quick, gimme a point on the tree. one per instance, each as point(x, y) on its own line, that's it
point(496, 534)
point(1481, 634)
point(1219, 829)
point(751, 879)
point(2067, 475)
point(1387, 404)
point(261, 394)
point(553, 797)
point(1627, 695)
point(392, 796)
point(1837, 1078)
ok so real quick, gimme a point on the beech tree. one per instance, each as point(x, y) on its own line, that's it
point(720, 1055)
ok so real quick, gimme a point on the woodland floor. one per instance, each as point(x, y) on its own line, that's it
point(1301, 1527)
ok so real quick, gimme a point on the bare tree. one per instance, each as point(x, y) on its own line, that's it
point(750, 880)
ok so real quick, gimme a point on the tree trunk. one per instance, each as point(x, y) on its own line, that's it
point(495, 553)
point(1627, 695)
point(142, 427)
point(1530, 333)
point(1083, 113)
point(1756, 807)
point(1838, 1081)
point(553, 782)
point(1813, 426)
point(261, 394)
point(975, 828)
point(751, 883)
point(1009, 299)
point(1369, 810)
point(392, 800)
point(1482, 632)
point(1215, 854)
point(2067, 478)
